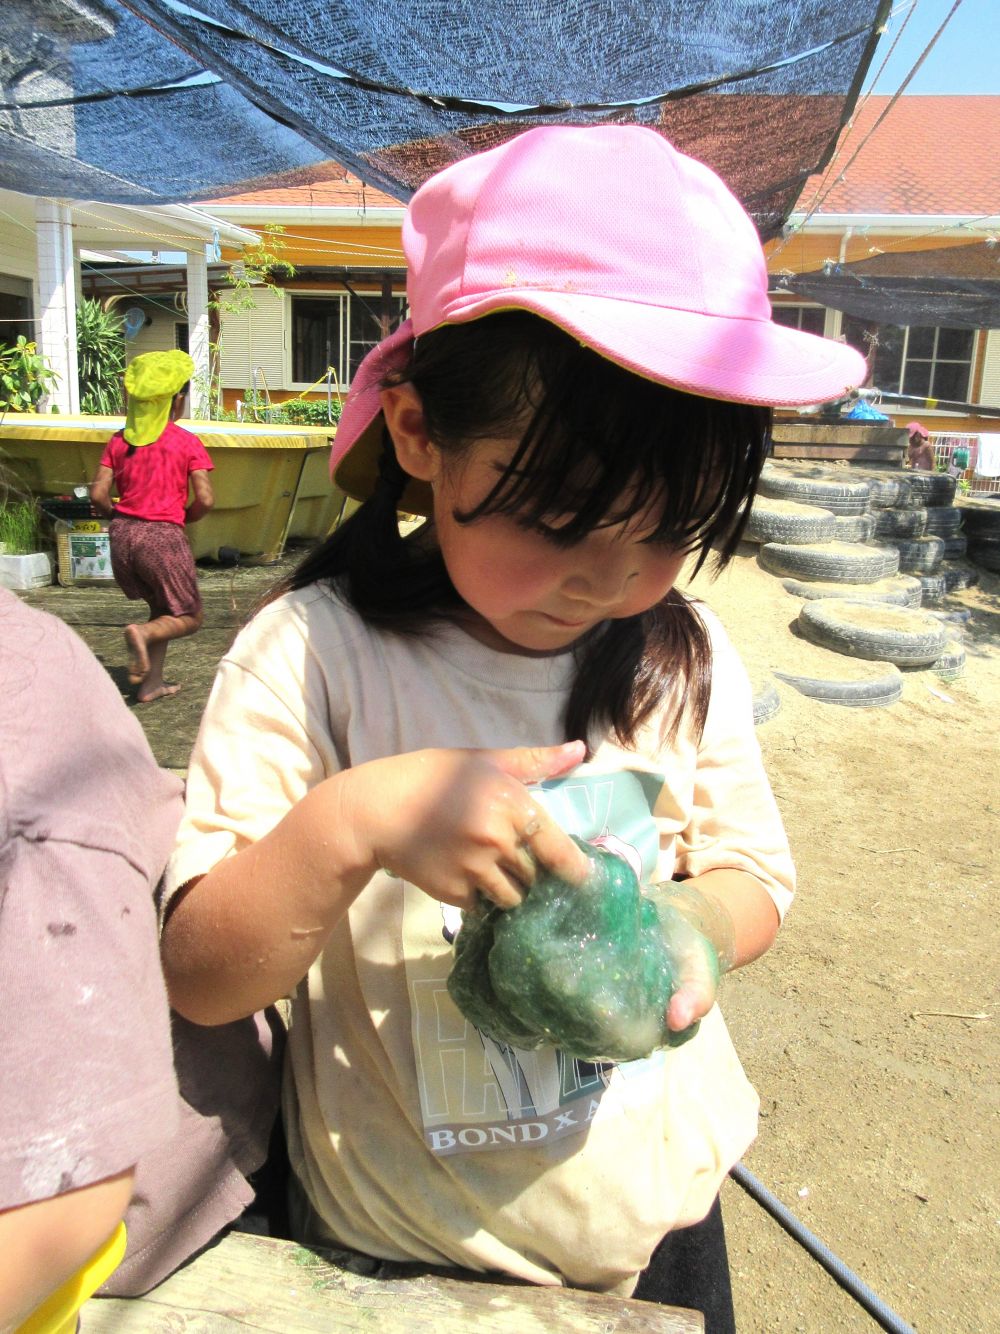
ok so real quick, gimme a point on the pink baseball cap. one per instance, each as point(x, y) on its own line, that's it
point(915, 428)
point(638, 251)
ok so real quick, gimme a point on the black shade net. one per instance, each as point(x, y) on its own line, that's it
point(953, 287)
point(155, 101)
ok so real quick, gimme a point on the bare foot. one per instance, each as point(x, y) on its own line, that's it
point(156, 692)
point(138, 658)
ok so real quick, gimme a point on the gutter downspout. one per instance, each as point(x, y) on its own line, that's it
point(834, 322)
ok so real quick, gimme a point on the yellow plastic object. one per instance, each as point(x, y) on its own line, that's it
point(58, 1313)
point(270, 482)
point(151, 382)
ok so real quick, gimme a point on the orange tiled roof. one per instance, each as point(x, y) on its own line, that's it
point(930, 155)
point(330, 186)
point(934, 155)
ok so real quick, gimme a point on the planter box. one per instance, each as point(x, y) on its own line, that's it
point(21, 572)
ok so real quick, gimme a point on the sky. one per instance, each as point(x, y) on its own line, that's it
point(965, 58)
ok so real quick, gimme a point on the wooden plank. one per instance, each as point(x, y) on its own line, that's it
point(840, 433)
point(889, 454)
point(247, 1282)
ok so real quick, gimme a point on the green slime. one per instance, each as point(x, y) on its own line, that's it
point(587, 968)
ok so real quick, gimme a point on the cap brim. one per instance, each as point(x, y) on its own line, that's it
point(714, 356)
point(357, 444)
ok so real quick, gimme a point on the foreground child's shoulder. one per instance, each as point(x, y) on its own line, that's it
point(307, 622)
point(717, 633)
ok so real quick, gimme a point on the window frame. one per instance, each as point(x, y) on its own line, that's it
point(905, 359)
point(800, 306)
point(343, 297)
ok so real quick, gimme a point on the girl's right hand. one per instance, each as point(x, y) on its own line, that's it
point(461, 822)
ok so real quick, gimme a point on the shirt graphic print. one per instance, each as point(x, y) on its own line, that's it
point(477, 1094)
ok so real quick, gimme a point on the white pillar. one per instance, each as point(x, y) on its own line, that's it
point(197, 306)
point(57, 300)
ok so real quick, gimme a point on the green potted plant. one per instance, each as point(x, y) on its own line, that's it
point(25, 376)
point(22, 564)
point(100, 355)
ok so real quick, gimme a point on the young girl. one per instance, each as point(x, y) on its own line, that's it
point(577, 406)
point(150, 463)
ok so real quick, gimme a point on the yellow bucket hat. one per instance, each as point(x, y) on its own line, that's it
point(151, 382)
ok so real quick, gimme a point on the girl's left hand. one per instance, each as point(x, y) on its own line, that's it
point(700, 937)
point(696, 969)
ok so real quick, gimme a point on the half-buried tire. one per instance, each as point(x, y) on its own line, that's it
point(837, 562)
point(901, 635)
point(766, 703)
point(853, 527)
point(985, 552)
point(918, 555)
point(942, 520)
point(958, 574)
point(981, 519)
point(900, 523)
point(901, 589)
point(884, 489)
point(933, 587)
point(839, 497)
point(871, 693)
point(931, 488)
point(951, 664)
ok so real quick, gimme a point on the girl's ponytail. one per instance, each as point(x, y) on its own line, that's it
point(389, 582)
point(625, 672)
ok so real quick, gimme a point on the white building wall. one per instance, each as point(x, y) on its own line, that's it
point(991, 370)
point(198, 333)
point(18, 253)
point(158, 336)
point(253, 338)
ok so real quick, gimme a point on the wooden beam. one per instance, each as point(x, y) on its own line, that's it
point(839, 433)
point(247, 1282)
point(891, 455)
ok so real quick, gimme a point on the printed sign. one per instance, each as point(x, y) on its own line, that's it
point(90, 555)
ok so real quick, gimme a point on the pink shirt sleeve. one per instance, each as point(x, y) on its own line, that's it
point(108, 457)
point(199, 457)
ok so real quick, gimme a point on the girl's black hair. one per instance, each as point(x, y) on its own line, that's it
point(598, 445)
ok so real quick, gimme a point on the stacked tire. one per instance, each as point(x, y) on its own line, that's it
point(865, 551)
point(817, 529)
point(981, 524)
point(912, 514)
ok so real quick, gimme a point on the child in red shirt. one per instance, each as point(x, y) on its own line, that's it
point(149, 462)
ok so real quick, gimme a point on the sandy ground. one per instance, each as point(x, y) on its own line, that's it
point(879, 1100)
point(870, 1030)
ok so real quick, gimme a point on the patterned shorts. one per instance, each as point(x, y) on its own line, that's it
point(153, 561)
